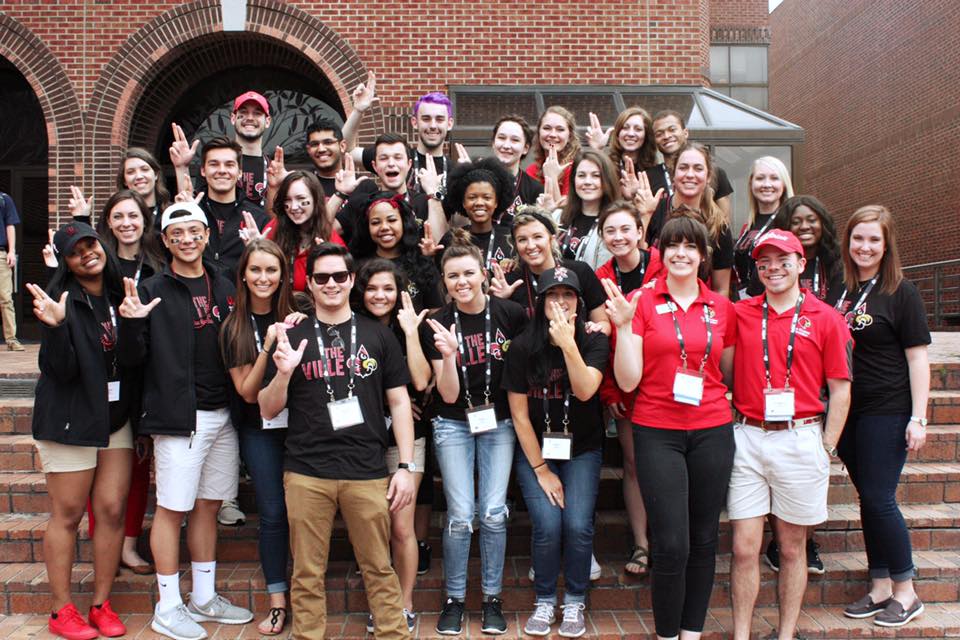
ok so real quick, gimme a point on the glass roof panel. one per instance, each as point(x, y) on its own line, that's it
point(730, 115)
point(653, 102)
point(583, 104)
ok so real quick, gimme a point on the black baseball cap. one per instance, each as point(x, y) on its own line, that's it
point(66, 238)
point(558, 277)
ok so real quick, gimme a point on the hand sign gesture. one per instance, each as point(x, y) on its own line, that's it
point(286, 357)
point(48, 311)
point(429, 246)
point(561, 328)
point(181, 151)
point(249, 231)
point(187, 195)
point(276, 171)
point(552, 167)
point(346, 180)
point(408, 317)
point(79, 207)
point(49, 255)
point(445, 340)
point(364, 95)
point(619, 309)
point(596, 136)
point(428, 176)
point(629, 182)
point(645, 199)
point(462, 155)
point(131, 307)
point(498, 284)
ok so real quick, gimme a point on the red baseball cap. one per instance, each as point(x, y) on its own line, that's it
point(783, 240)
point(251, 96)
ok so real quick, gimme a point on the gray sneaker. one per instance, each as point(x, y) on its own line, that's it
point(539, 623)
point(230, 514)
point(573, 625)
point(219, 610)
point(177, 624)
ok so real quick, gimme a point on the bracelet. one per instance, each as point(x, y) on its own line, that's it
point(540, 465)
point(341, 195)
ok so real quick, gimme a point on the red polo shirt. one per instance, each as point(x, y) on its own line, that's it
point(655, 406)
point(823, 349)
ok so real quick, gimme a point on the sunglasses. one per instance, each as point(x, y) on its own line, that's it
point(322, 278)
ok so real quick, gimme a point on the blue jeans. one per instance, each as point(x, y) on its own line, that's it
point(562, 533)
point(874, 449)
point(262, 451)
point(457, 452)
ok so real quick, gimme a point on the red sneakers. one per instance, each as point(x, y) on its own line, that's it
point(108, 622)
point(68, 623)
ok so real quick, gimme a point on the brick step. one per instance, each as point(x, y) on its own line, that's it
point(23, 587)
point(940, 620)
point(944, 376)
point(932, 528)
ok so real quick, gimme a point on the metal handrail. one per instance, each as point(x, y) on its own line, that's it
point(939, 287)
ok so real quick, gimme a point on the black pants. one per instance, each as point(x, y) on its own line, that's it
point(683, 476)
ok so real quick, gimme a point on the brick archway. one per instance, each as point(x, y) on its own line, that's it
point(160, 42)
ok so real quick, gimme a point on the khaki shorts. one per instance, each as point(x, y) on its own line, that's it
point(419, 456)
point(56, 457)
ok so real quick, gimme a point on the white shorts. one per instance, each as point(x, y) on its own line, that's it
point(207, 467)
point(419, 456)
point(786, 473)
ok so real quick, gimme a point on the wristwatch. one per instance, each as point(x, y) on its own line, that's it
point(921, 421)
point(832, 450)
point(409, 466)
point(438, 196)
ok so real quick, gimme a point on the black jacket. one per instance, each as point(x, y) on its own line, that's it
point(70, 403)
point(225, 244)
point(162, 344)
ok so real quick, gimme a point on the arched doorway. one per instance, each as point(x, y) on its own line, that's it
point(24, 175)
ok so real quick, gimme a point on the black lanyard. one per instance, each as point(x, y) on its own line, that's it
point(683, 347)
point(753, 240)
point(863, 295)
point(486, 351)
point(351, 362)
point(643, 270)
point(816, 277)
point(566, 410)
point(790, 341)
point(256, 333)
point(490, 243)
point(136, 276)
point(531, 292)
point(666, 176)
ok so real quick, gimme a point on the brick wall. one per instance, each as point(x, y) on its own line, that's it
point(876, 86)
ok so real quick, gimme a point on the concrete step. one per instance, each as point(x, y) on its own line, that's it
point(23, 587)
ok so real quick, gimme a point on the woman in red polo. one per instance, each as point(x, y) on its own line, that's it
point(676, 342)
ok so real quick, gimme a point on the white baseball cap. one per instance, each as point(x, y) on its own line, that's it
point(192, 210)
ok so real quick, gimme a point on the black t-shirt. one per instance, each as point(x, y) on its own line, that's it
point(129, 269)
point(526, 294)
point(313, 448)
point(502, 248)
point(209, 375)
point(632, 280)
point(424, 286)
point(119, 410)
point(816, 279)
point(421, 427)
point(329, 184)
point(250, 416)
point(881, 330)
point(658, 180)
point(743, 262)
point(575, 233)
point(252, 179)
point(526, 191)
point(506, 322)
point(586, 419)
point(353, 210)
point(723, 188)
point(722, 257)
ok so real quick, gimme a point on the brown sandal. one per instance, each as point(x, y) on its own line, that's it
point(640, 558)
point(277, 620)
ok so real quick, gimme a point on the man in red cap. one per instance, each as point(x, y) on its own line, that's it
point(790, 347)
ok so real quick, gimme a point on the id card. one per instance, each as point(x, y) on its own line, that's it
point(113, 391)
point(556, 446)
point(482, 418)
point(345, 413)
point(279, 421)
point(778, 405)
point(688, 386)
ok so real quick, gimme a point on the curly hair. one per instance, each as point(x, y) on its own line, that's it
point(369, 269)
point(828, 250)
point(489, 170)
point(647, 153)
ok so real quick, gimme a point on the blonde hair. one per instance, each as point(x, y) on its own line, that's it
point(777, 165)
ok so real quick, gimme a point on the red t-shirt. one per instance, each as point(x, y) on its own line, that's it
point(655, 406)
point(300, 260)
point(823, 349)
point(533, 168)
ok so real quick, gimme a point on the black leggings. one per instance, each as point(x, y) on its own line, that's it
point(683, 476)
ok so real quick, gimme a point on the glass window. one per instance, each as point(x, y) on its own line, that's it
point(753, 96)
point(740, 72)
point(736, 161)
point(720, 64)
point(748, 65)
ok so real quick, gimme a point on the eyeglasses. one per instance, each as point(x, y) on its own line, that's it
point(339, 277)
point(313, 144)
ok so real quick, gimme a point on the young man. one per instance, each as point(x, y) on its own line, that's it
point(790, 347)
point(8, 263)
point(326, 146)
point(331, 374)
point(174, 321)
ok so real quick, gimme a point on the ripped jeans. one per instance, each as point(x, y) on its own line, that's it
point(457, 452)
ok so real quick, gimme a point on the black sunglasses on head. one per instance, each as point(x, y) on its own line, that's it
point(322, 278)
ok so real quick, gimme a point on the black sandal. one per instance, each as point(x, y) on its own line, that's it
point(640, 557)
point(275, 614)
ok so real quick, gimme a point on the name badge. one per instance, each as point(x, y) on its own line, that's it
point(778, 404)
point(666, 307)
point(279, 421)
point(688, 386)
point(482, 418)
point(113, 391)
point(556, 446)
point(345, 413)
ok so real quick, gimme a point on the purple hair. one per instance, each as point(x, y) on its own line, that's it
point(436, 97)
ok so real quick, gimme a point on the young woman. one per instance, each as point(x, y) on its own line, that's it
point(888, 406)
point(300, 221)
point(389, 230)
point(139, 171)
point(632, 149)
point(381, 293)
point(630, 268)
point(808, 219)
point(555, 147)
point(676, 342)
point(246, 339)
point(553, 372)
point(85, 402)
point(594, 187)
point(769, 187)
point(472, 433)
point(512, 139)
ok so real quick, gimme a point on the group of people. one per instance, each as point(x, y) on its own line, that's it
point(347, 337)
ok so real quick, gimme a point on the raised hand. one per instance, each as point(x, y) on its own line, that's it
point(48, 311)
point(429, 246)
point(249, 231)
point(49, 255)
point(561, 328)
point(346, 180)
point(629, 182)
point(445, 340)
point(276, 171)
point(428, 177)
point(271, 337)
point(596, 136)
point(407, 316)
point(498, 283)
point(78, 206)
point(619, 309)
point(552, 167)
point(462, 155)
point(132, 307)
point(645, 199)
point(365, 94)
point(181, 151)
point(187, 196)
point(286, 358)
